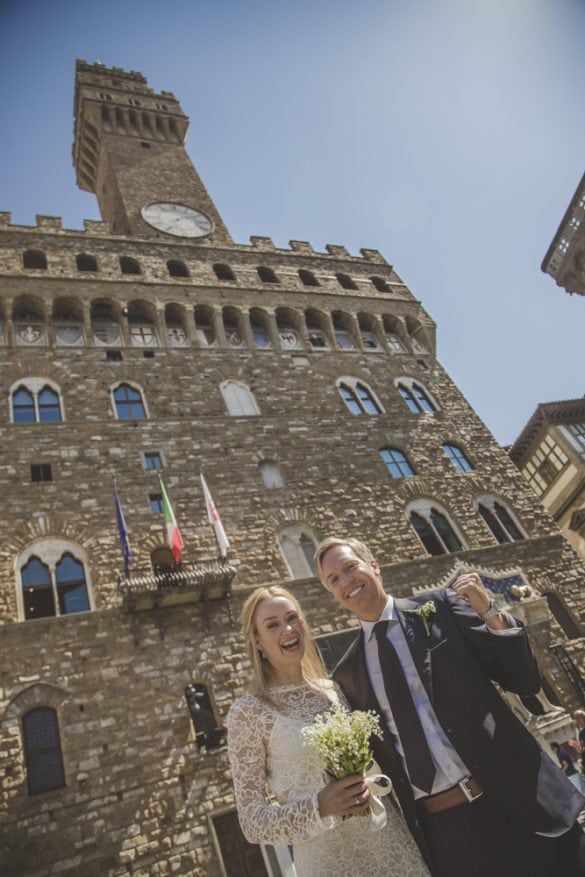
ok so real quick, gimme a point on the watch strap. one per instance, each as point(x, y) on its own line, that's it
point(493, 609)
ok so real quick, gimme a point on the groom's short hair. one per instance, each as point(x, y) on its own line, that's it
point(360, 549)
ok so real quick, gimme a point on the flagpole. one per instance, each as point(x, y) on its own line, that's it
point(214, 519)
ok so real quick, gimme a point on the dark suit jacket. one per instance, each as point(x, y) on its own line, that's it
point(456, 662)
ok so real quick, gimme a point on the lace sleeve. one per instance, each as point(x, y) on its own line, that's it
point(248, 730)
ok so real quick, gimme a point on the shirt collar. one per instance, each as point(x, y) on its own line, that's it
point(388, 614)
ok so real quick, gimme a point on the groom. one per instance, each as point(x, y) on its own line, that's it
point(478, 792)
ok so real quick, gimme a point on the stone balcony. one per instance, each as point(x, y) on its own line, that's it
point(155, 588)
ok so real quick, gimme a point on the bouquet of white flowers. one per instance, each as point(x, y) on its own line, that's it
point(342, 741)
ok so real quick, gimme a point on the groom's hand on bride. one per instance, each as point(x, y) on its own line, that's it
point(343, 797)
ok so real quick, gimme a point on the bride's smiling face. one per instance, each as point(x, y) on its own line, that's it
point(280, 633)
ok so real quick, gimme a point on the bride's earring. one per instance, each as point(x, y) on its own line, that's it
point(261, 653)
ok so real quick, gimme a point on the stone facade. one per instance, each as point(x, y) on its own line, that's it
point(550, 453)
point(565, 258)
point(282, 389)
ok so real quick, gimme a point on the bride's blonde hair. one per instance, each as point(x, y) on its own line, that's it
point(312, 666)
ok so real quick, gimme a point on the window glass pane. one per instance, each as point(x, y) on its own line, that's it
point(494, 525)
point(41, 472)
point(350, 400)
point(426, 534)
point(458, 458)
point(409, 399)
point(507, 522)
point(156, 502)
point(396, 462)
point(153, 461)
point(445, 531)
point(42, 751)
point(422, 398)
point(49, 408)
point(37, 592)
point(23, 406)
point(308, 549)
point(367, 400)
point(128, 403)
point(71, 587)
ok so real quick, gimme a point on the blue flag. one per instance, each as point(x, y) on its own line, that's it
point(127, 553)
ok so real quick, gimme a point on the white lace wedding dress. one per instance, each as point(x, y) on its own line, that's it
point(267, 756)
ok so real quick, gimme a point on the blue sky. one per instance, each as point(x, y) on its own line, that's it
point(448, 134)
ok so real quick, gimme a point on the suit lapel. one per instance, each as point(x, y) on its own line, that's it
point(419, 643)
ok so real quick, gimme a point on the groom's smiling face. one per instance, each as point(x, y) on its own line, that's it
point(355, 583)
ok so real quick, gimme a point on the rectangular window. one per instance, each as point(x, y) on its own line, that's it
point(545, 464)
point(153, 460)
point(577, 432)
point(156, 502)
point(41, 472)
point(113, 356)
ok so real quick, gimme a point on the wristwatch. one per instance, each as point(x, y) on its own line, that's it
point(493, 609)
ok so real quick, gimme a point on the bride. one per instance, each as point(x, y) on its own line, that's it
point(268, 759)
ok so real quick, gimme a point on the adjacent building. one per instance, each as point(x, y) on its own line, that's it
point(550, 453)
point(145, 351)
point(565, 258)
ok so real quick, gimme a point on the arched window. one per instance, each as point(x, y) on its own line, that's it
point(50, 589)
point(34, 259)
point(499, 520)
point(223, 272)
point(35, 403)
point(260, 332)
point(308, 278)
point(345, 281)
point(415, 397)
point(396, 463)
point(267, 275)
point(42, 750)
point(129, 266)
point(298, 549)
point(317, 337)
point(177, 269)
point(457, 457)
point(204, 327)
point(208, 731)
point(567, 623)
point(86, 262)
point(238, 399)
point(128, 403)
point(434, 529)
point(358, 397)
point(380, 284)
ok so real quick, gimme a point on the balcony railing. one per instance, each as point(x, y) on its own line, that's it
point(148, 587)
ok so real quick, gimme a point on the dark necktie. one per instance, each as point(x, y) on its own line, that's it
point(421, 767)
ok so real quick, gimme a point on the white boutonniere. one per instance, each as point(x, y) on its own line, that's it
point(424, 612)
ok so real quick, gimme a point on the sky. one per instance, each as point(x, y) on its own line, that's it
point(447, 134)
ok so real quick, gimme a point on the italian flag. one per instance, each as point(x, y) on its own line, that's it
point(174, 537)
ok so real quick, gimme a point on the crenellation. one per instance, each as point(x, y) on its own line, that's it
point(265, 244)
point(302, 247)
point(338, 251)
point(49, 223)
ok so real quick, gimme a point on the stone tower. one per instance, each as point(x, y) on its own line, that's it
point(305, 387)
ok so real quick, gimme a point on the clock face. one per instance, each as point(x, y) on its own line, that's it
point(177, 219)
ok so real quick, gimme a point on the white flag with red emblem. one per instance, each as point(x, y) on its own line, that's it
point(222, 539)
